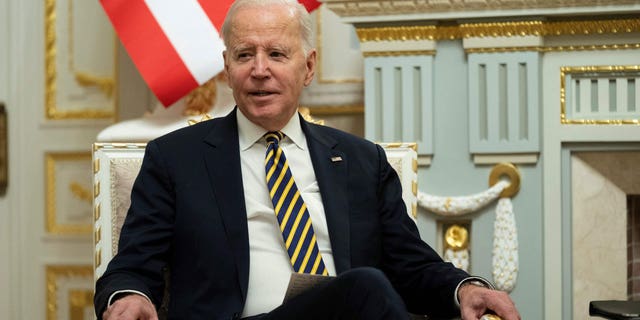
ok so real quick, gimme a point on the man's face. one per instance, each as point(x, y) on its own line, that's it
point(266, 65)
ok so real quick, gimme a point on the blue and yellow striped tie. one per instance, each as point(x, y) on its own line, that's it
point(291, 211)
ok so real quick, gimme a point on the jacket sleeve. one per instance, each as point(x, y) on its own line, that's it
point(426, 283)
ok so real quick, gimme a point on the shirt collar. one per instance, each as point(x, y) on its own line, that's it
point(250, 133)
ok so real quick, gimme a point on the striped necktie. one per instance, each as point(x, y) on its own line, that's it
point(291, 211)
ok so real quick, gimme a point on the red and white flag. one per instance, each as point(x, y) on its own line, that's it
point(175, 44)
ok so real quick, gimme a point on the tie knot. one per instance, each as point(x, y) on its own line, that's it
point(273, 137)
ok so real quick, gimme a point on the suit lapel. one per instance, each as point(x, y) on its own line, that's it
point(222, 158)
point(330, 167)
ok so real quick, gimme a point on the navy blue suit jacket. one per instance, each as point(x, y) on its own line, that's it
point(188, 214)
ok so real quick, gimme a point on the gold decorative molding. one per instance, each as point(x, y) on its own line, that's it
point(414, 210)
point(456, 237)
point(399, 33)
point(564, 71)
point(367, 54)
point(54, 275)
point(120, 145)
point(84, 79)
point(98, 257)
point(52, 225)
point(96, 189)
point(623, 46)
point(359, 8)
point(590, 27)
point(411, 145)
point(502, 29)
point(79, 300)
point(510, 171)
point(80, 192)
point(498, 29)
point(97, 235)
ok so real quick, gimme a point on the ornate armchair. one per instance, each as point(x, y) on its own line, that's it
point(116, 166)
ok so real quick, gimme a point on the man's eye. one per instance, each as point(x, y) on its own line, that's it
point(244, 55)
point(276, 54)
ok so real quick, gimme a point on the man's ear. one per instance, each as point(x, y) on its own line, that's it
point(311, 66)
point(226, 66)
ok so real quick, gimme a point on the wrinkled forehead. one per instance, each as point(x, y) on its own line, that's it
point(255, 26)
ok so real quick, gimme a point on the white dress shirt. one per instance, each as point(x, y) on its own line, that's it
point(269, 268)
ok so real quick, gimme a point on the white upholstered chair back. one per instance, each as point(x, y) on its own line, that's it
point(116, 166)
point(403, 157)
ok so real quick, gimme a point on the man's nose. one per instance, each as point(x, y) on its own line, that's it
point(260, 66)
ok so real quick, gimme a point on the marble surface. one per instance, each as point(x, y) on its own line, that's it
point(600, 184)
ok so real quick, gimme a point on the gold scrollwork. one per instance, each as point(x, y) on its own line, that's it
point(51, 74)
point(588, 27)
point(510, 171)
point(400, 33)
point(52, 225)
point(80, 192)
point(457, 237)
point(565, 71)
point(79, 300)
point(85, 79)
point(105, 84)
point(54, 275)
point(502, 29)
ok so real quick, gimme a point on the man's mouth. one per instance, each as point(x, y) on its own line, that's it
point(261, 93)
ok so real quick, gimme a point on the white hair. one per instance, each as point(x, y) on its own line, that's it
point(303, 18)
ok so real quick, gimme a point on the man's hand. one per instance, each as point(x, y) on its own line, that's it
point(476, 301)
point(131, 307)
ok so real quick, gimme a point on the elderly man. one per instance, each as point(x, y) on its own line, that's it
point(231, 207)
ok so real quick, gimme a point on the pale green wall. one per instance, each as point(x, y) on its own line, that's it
point(453, 173)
